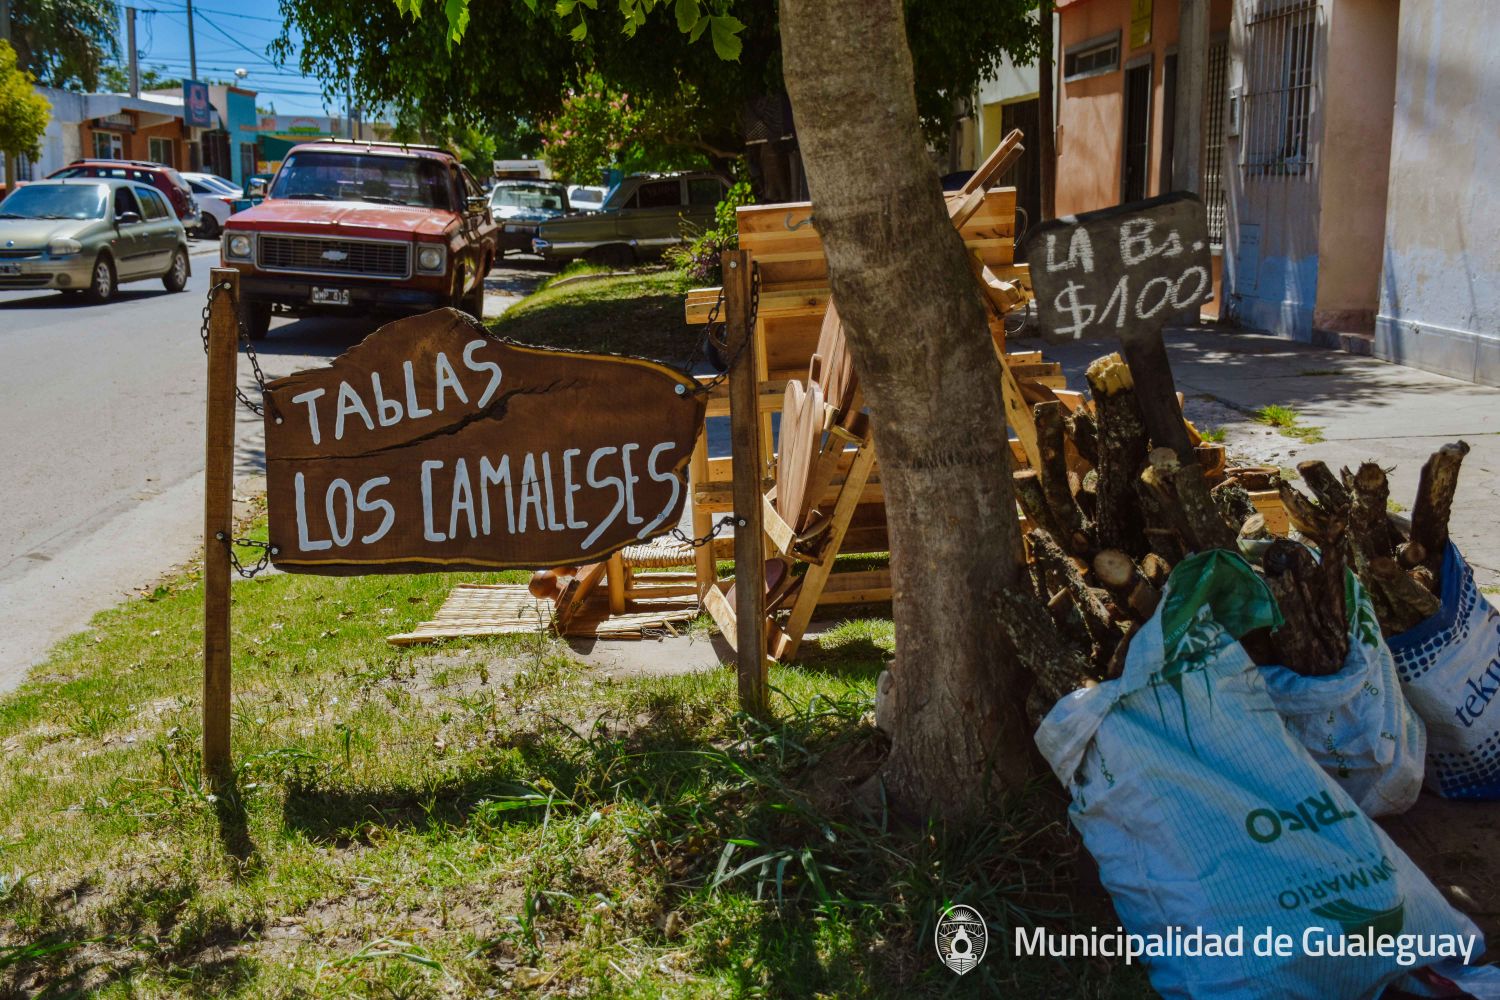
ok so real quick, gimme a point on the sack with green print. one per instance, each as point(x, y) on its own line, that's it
point(1357, 723)
point(1205, 812)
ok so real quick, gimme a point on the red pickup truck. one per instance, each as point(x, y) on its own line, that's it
point(362, 226)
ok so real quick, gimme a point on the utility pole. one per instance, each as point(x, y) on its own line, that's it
point(135, 62)
point(192, 44)
point(1192, 91)
point(1046, 117)
point(10, 161)
point(195, 155)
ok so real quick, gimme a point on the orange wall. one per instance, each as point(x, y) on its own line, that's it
point(137, 145)
point(1091, 113)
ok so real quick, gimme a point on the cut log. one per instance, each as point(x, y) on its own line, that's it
point(1036, 645)
point(1429, 516)
point(1122, 444)
point(1307, 517)
point(1411, 555)
point(1400, 601)
point(1310, 593)
point(1369, 517)
point(1327, 487)
point(1155, 569)
point(1027, 485)
point(1124, 580)
point(1206, 526)
point(1234, 504)
point(1166, 529)
point(1085, 434)
point(1064, 571)
point(1052, 447)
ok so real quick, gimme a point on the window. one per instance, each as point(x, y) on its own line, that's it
point(1280, 88)
point(108, 146)
point(1094, 57)
point(151, 205)
point(705, 191)
point(125, 202)
point(659, 194)
point(1214, 199)
point(392, 180)
point(161, 151)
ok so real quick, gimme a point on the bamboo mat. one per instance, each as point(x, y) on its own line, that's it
point(474, 611)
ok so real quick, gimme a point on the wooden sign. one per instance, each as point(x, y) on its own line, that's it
point(1123, 272)
point(1120, 270)
point(434, 445)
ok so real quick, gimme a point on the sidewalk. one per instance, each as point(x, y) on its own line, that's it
point(1365, 409)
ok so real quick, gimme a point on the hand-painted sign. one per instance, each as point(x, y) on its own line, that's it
point(434, 445)
point(1123, 272)
point(1120, 270)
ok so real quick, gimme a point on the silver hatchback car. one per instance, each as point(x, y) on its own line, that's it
point(88, 235)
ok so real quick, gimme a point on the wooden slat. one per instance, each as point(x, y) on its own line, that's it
point(1007, 152)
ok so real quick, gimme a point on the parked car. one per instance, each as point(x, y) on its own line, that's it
point(642, 217)
point(362, 226)
point(519, 207)
point(587, 197)
point(166, 180)
point(88, 235)
point(216, 198)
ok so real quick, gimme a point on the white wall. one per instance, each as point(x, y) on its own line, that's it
point(1440, 288)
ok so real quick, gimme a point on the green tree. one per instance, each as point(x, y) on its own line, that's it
point(601, 127)
point(917, 331)
point(23, 113)
point(502, 63)
point(65, 43)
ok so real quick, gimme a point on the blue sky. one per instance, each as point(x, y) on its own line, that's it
point(231, 34)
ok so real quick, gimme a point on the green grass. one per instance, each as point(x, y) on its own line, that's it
point(640, 314)
point(1215, 435)
point(1285, 420)
point(489, 816)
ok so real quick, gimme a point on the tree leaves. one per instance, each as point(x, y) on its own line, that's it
point(725, 30)
point(23, 112)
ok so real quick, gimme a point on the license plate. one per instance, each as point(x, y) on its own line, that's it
point(10, 268)
point(330, 296)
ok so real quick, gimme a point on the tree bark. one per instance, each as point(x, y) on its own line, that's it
point(921, 347)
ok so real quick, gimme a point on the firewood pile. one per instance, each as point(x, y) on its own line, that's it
point(1107, 514)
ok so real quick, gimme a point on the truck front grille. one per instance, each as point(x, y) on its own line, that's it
point(327, 255)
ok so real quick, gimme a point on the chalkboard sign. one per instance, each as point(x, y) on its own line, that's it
point(434, 445)
point(1121, 270)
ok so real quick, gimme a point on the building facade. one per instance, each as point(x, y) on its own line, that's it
point(111, 126)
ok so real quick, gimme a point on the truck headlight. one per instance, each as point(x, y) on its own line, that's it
point(237, 245)
point(432, 259)
point(63, 247)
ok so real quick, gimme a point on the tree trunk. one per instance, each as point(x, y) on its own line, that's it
point(921, 347)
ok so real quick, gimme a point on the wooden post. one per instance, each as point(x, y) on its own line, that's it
point(218, 519)
point(744, 433)
point(1146, 354)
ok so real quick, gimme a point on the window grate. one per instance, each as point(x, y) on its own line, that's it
point(1214, 199)
point(1280, 88)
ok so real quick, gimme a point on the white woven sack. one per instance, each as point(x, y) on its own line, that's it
point(1357, 723)
point(1450, 668)
point(1204, 811)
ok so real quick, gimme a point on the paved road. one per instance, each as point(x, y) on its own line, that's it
point(101, 444)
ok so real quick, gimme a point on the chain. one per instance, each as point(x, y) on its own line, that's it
point(267, 550)
point(260, 377)
point(682, 536)
point(716, 338)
